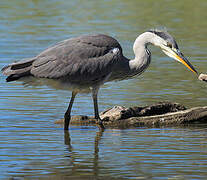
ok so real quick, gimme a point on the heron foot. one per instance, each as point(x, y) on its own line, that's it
point(100, 124)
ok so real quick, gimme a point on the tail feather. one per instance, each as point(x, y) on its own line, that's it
point(18, 69)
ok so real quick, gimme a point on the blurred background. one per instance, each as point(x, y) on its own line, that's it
point(29, 27)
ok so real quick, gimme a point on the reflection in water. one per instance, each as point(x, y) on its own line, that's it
point(99, 134)
point(72, 155)
point(83, 153)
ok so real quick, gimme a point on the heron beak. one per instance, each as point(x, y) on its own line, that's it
point(178, 56)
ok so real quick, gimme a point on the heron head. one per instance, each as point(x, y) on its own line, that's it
point(169, 46)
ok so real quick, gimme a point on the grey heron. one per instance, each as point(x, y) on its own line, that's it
point(88, 61)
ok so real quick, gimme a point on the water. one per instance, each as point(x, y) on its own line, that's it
point(33, 147)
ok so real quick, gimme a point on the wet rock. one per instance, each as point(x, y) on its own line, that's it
point(203, 77)
point(159, 114)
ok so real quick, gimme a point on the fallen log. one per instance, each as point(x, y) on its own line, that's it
point(159, 114)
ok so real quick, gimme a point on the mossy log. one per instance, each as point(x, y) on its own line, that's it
point(159, 114)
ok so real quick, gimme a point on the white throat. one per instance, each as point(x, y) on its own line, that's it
point(142, 54)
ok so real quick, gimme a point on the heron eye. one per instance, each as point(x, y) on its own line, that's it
point(169, 45)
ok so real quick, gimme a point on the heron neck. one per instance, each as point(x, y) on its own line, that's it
point(142, 54)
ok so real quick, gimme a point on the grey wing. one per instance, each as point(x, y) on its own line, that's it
point(85, 58)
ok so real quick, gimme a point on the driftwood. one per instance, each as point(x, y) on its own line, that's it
point(159, 114)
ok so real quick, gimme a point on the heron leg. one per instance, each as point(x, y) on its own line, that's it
point(95, 103)
point(67, 113)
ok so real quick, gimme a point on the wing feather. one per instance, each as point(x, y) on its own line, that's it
point(85, 58)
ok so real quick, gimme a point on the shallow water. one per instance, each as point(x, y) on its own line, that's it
point(32, 146)
point(132, 153)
